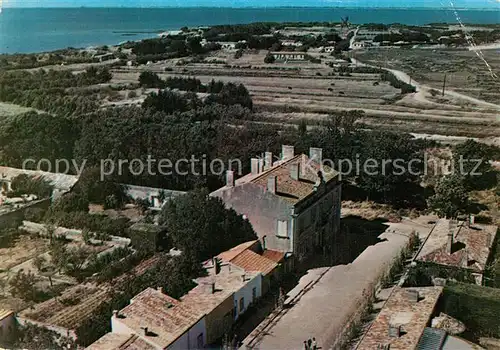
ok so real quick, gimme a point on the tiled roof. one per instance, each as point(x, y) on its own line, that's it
point(471, 247)
point(400, 311)
point(290, 189)
point(251, 261)
point(165, 318)
point(273, 255)
point(245, 258)
point(231, 253)
point(117, 341)
point(205, 299)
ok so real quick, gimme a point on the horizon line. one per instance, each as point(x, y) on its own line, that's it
point(255, 7)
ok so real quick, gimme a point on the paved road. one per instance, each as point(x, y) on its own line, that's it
point(330, 301)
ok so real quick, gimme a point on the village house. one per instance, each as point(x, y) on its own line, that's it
point(407, 321)
point(156, 197)
point(62, 183)
point(328, 49)
point(292, 43)
point(461, 245)
point(161, 321)
point(250, 258)
point(289, 56)
point(403, 319)
point(199, 318)
point(293, 204)
point(104, 57)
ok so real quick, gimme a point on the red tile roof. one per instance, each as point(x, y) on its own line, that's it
point(251, 261)
point(274, 255)
point(295, 190)
point(244, 257)
point(230, 254)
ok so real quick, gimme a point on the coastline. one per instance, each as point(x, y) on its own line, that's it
point(60, 28)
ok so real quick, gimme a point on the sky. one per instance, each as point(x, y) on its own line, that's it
point(492, 4)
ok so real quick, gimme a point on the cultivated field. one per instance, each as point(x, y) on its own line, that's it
point(288, 92)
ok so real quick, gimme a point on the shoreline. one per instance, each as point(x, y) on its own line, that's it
point(139, 35)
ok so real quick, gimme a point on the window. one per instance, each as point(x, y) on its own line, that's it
point(242, 305)
point(254, 294)
point(282, 228)
point(199, 341)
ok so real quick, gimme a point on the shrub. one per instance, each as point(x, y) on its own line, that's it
point(132, 94)
point(269, 58)
point(25, 184)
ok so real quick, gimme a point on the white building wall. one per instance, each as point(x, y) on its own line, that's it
point(119, 327)
point(246, 292)
point(189, 340)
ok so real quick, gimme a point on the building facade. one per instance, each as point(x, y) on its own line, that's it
point(293, 204)
point(289, 56)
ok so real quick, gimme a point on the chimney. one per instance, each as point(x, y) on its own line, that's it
point(146, 331)
point(449, 243)
point(272, 184)
point(254, 166)
point(316, 154)
point(213, 287)
point(472, 219)
point(261, 165)
point(230, 178)
point(394, 331)
point(159, 289)
point(412, 295)
point(243, 277)
point(287, 152)
point(268, 160)
point(115, 313)
point(264, 242)
point(295, 171)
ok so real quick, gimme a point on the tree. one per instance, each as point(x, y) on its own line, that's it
point(166, 101)
point(28, 185)
point(176, 274)
point(201, 225)
point(231, 94)
point(269, 58)
point(34, 337)
point(471, 160)
point(22, 285)
point(451, 197)
point(70, 202)
point(44, 268)
point(149, 79)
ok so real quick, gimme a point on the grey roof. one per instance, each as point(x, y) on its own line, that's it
point(58, 180)
point(432, 339)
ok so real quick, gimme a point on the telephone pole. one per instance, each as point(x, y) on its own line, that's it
point(444, 83)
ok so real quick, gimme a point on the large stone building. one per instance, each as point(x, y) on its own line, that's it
point(293, 204)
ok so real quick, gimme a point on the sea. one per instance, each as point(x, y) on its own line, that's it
point(48, 29)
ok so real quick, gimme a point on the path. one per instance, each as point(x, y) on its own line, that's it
point(420, 87)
